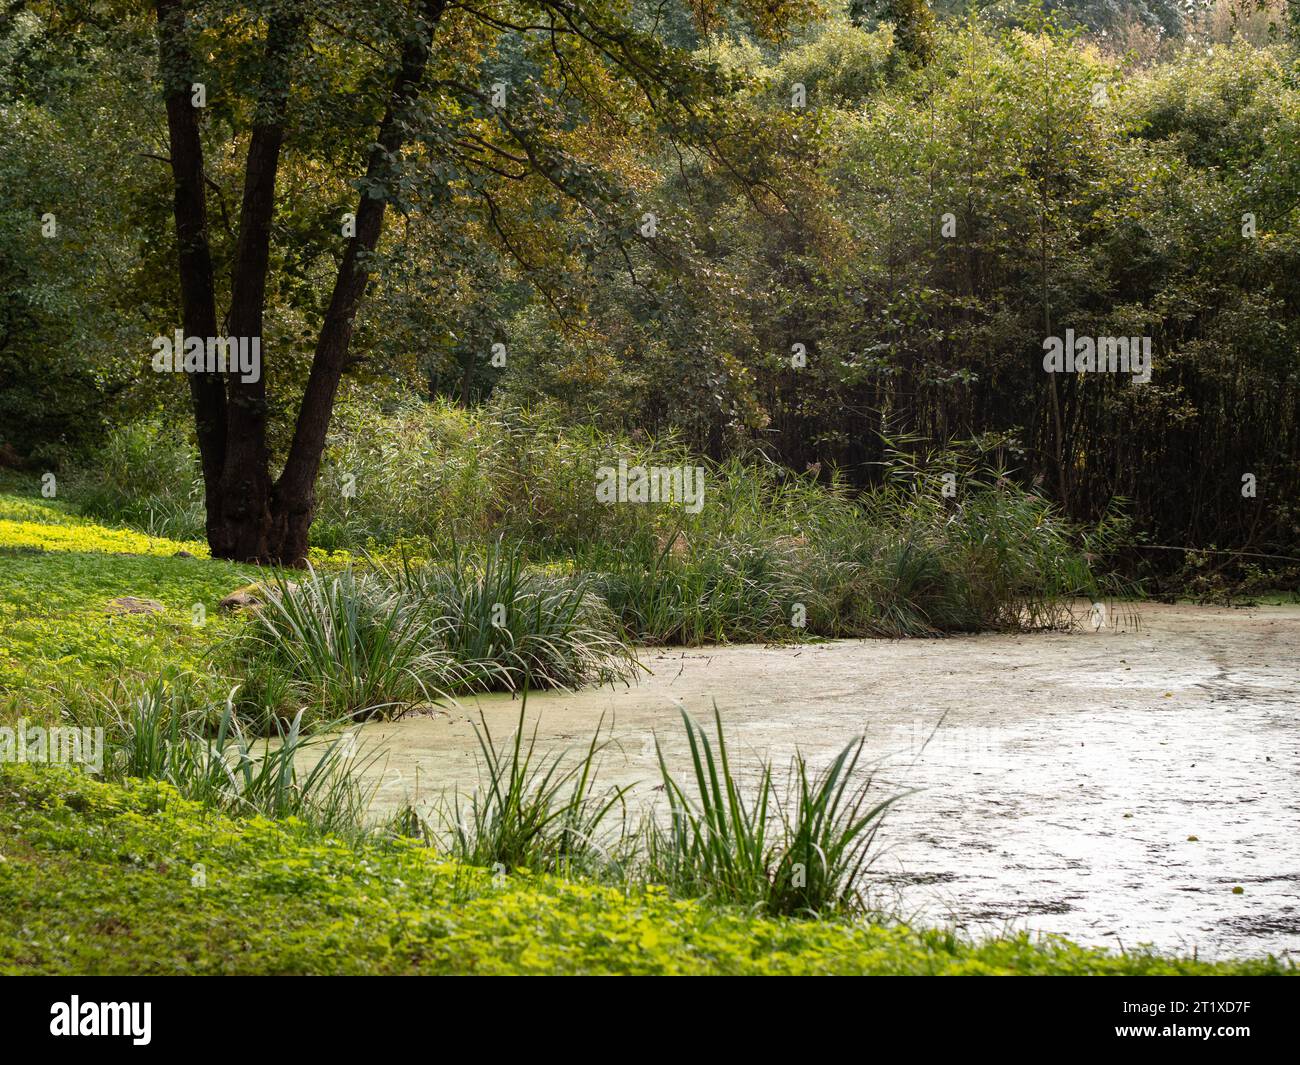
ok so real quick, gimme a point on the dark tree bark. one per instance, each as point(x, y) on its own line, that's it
point(248, 518)
point(198, 304)
point(245, 524)
point(294, 498)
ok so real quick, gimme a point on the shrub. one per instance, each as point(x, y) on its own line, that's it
point(510, 626)
point(453, 486)
point(145, 478)
point(346, 644)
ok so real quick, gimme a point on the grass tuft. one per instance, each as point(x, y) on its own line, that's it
point(798, 850)
point(541, 813)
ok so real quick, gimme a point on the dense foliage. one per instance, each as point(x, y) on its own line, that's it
point(1082, 193)
point(918, 226)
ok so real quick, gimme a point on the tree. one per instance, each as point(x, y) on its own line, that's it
point(440, 135)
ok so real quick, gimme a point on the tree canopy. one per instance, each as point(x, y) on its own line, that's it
point(756, 225)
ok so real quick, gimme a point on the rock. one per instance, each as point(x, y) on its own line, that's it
point(241, 599)
point(251, 596)
point(129, 604)
point(182, 554)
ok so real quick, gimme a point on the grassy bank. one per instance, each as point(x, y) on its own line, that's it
point(467, 550)
point(99, 878)
point(376, 636)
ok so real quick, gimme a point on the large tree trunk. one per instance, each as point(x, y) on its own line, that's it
point(294, 496)
point(245, 489)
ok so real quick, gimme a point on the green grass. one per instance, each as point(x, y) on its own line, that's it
point(130, 876)
point(57, 635)
point(101, 878)
point(511, 625)
point(1277, 598)
point(164, 734)
point(344, 645)
point(377, 642)
point(769, 558)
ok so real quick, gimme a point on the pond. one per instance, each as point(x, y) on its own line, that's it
point(1132, 784)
